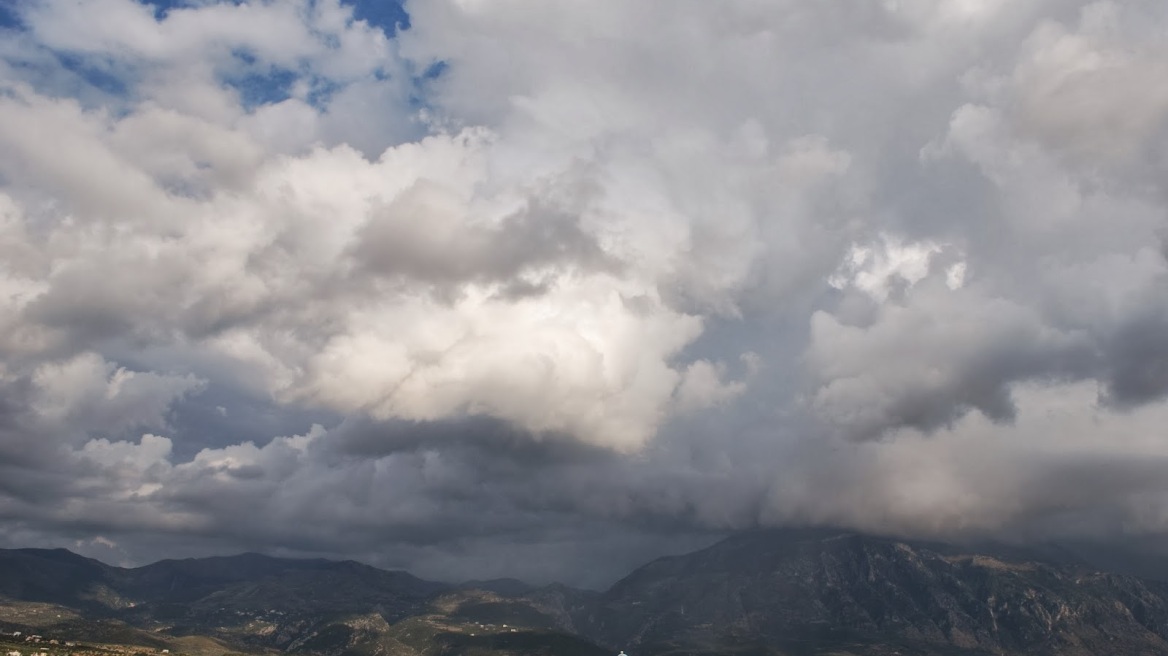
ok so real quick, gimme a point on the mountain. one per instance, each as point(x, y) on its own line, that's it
point(776, 592)
point(833, 591)
point(256, 603)
point(54, 576)
point(505, 587)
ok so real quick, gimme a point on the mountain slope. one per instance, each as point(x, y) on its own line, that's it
point(766, 592)
point(258, 603)
point(812, 590)
point(56, 576)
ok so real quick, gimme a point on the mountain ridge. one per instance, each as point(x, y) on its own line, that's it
point(837, 588)
point(767, 591)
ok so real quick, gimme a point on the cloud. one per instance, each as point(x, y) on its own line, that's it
point(1040, 476)
point(619, 276)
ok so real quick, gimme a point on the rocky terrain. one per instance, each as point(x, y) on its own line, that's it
point(764, 592)
point(809, 591)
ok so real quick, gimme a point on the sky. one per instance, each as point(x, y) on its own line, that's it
point(484, 288)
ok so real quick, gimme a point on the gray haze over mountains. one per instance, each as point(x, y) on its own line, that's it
point(546, 289)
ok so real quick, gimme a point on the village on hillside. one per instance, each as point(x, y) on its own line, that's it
point(22, 643)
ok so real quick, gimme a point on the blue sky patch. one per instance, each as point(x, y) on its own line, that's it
point(389, 15)
point(9, 18)
point(262, 88)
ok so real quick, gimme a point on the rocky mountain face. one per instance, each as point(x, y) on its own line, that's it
point(807, 591)
point(765, 592)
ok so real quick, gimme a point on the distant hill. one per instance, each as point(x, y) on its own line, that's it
point(54, 576)
point(256, 603)
point(763, 592)
point(505, 587)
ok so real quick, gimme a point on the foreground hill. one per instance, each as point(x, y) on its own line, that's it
point(765, 592)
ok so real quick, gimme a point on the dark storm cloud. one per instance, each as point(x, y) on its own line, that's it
point(365, 438)
point(1138, 360)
